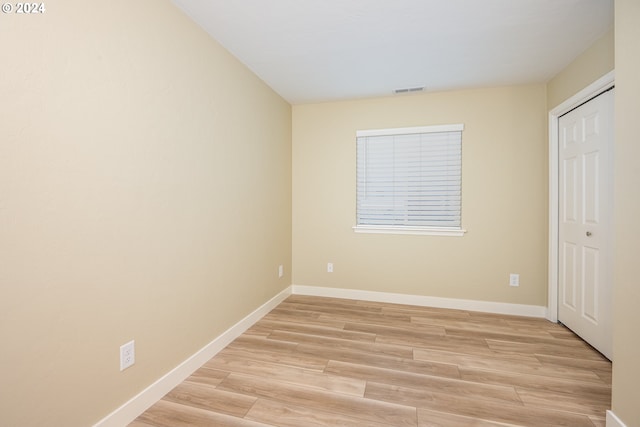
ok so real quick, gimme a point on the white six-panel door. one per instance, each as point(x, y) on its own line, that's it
point(586, 208)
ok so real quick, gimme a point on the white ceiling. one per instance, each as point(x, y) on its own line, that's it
point(321, 50)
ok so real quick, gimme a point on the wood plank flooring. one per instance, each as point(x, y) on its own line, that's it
point(330, 362)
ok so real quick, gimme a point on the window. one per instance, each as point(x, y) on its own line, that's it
point(409, 180)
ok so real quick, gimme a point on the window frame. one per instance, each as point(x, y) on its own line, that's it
point(406, 229)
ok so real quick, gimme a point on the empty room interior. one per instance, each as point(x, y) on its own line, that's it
point(196, 229)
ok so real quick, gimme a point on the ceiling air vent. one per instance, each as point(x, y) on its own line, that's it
point(409, 90)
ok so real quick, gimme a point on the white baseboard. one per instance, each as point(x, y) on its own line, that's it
point(425, 301)
point(613, 420)
point(147, 397)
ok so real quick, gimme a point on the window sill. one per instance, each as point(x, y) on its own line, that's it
point(456, 232)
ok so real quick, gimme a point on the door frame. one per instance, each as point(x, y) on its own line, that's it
point(596, 88)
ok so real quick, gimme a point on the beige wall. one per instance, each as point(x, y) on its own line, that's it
point(504, 198)
point(145, 193)
point(626, 292)
point(593, 63)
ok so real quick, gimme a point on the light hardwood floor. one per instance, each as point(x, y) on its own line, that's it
point(330, 362)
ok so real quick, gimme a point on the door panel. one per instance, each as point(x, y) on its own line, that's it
point(590, 283)
point(591, 185)
point(569, 275)
point(570, 180)
point(586, 204)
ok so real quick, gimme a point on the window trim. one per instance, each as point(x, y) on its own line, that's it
point(411, 130)
point(414, 230)
point(425, 231)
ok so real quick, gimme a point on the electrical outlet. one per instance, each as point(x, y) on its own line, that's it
point(127, 355)
point(514, 280)
point(280, 270)
point(330, 267)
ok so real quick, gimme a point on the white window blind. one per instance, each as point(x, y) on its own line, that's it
point(409, 179)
